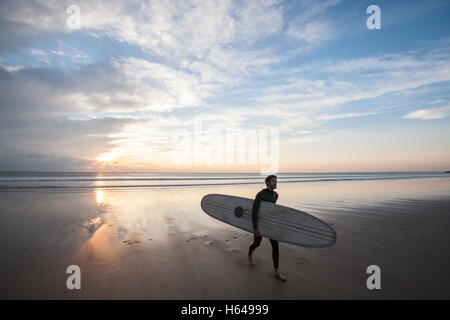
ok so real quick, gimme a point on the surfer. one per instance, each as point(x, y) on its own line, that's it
point(270, 195)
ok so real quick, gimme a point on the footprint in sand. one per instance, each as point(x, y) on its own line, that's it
point(209, 242)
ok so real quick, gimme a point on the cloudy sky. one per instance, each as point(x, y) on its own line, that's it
point(111, 94)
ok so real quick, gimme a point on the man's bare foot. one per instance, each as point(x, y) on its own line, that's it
point(250, 261)
point(278, 275)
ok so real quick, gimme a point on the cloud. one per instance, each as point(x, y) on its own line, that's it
point(311, 27)
point(34, 161)
point(322, 85)
point(345, 115)
point(313, 33)
point(153, 86)
point(38, 119)
point(123, 85)
point(162, 27)
point(83, 113)
point(9, 68)
point(429, 114)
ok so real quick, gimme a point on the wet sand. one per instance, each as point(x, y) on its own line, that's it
point(158, 244)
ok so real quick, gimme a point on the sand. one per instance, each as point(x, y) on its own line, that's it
point(158, 244)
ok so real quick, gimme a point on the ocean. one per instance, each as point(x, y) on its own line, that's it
point(14, 181)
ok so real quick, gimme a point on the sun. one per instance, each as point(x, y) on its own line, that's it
point(107, 157)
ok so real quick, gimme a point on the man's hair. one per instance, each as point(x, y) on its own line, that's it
point(269, 178)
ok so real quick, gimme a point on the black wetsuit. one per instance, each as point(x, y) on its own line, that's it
point(264, 195)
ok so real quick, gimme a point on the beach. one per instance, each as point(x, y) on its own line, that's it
point(157, 243)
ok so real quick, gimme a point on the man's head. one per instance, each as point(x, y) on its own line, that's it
point(271, 182)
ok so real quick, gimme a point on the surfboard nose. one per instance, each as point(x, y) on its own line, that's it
point(238, 211)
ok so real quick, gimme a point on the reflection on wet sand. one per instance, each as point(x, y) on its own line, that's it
point(158, 244)
point(140, 215)
point(91, 225)
point(99, 196)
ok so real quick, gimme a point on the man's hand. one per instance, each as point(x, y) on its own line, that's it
point(257, 233)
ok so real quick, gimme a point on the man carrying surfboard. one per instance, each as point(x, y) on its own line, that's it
point(270, 195)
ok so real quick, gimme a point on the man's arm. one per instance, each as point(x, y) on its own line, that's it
point(255, 210)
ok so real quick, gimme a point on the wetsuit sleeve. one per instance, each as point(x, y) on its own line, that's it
point(255, 210)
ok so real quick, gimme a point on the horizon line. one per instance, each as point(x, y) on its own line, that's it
point(192, 172)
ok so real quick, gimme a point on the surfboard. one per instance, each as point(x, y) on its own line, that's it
point(274, 221)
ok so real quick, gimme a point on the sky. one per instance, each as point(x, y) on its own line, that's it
point(156, 86)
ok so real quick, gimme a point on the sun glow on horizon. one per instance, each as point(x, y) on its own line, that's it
point(107, 156)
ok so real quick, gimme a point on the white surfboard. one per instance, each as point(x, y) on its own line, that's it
point(274, 221)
